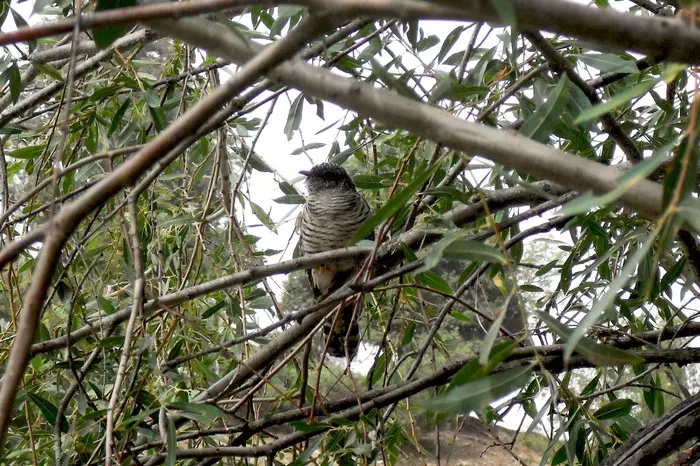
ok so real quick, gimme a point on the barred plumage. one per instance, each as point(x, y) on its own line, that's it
point(333, 212)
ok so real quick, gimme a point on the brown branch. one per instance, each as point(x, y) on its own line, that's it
point(551, 360)
point(654, 36)
point(510, 149)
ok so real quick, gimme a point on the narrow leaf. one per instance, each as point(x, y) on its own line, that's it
point(542, 123)
point(394, 204)
point(479, 393)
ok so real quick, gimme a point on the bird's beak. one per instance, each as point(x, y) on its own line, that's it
point(305, 172)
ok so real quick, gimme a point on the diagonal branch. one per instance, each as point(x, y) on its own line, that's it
point(513, 150)
point(68, 218)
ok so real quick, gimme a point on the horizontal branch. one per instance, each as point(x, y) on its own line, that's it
point(551, 360)
point(664, 37)
point(504, 147)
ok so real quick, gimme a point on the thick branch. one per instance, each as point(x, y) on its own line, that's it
point(508, 148)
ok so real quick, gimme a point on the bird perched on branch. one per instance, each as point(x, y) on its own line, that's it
point(333, 212)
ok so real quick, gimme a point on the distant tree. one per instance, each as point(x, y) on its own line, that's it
point(533, 169)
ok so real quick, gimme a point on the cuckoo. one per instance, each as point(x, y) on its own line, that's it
point(333, 212)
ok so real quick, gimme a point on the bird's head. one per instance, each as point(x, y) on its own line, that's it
point(327, 176)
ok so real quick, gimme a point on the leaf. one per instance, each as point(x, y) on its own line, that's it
point(629, 178)
point(202, 412)
point(262, 216)
point(689, 210)
point(111, 342)
point(542, 123)
point(104, 36)
point(21, 23)
point(4, 11)
point(616, 408)
point(608, 62)
point(28, 152)
point(391, 82)
point(427, 42)
point(158, 117)
point(396, 202)
point(505, 11)
point(290, 199)
point(106, 305)
point(617, 100)
point(598, 354)
point(294, 116)
point(213, 309)
point(287, 188)
point(477, 394)
point(449, 42)
point(15, 81)
point(460, 248)
point(303, 459)
point(490, 338)
point(117, 118)
point(681, 176)
point(49, 70)
point(308, 147)
point(171, 446)
point(48, 410)
point(435, 281)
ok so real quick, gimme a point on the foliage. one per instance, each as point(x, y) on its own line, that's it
point(511, 310)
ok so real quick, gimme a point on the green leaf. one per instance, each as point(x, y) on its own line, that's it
point(106, 305)
point(294, 117)
point(598, 354)
point(491, 335)
point(449, 42)
point(689, 210)
point(28, 152)
point(4, 11)
point(681, 176)
point(303, 459)
point(290, 199)
point(391, 82)
point(104, 36)
point(15, 81)
point(49, 70)
point(479, 393)
point(171, 446)
point(542, 123)
point(396, 202)
point(308, 147)
point(117, 118)
point(213, 309)
point(158, 117)
point(201, 412)
point(262, 216)
point(458, 247)
point(608, 62)
point(627, 180)
point(616, 408)
point(427, 42)
point(48, 410)
point(111, 342)
point(617, 100)
point(505, 11)
point(435, 281)
point(21, 23)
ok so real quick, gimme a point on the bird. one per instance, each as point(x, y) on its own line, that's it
point(332, 214)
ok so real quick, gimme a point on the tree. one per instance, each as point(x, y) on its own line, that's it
point(140, 323)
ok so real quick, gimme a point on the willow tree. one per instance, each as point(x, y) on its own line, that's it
point(140, 321)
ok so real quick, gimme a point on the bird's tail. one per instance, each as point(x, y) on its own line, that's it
point(342, 329)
